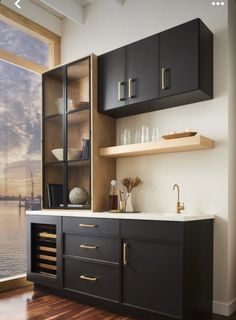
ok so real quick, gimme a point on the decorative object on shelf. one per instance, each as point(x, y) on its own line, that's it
point(55, 195)
point(80, 105)
point(113, 197)
point(176, 135)
point(130, 184)
point(58, 154)
point(73, 154)
point(78, 195)
point(86, 149)
point(60, 104)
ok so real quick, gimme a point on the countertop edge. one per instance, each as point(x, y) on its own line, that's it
point(183, 217)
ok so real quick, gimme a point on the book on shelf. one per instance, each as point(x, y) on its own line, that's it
point(55, 195)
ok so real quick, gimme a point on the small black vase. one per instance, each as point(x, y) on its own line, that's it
point(86, 149)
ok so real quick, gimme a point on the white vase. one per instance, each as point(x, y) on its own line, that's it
point(129, 206)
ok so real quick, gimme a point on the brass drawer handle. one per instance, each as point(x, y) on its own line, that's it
point(86, 246)
point(84, 225)
point(84, 277)
point(125, 262)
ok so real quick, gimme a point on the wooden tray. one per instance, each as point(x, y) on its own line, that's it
point(179, 135)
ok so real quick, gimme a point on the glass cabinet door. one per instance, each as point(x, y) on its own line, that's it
point(53, 92)
point(66, 136)
point(78, 135)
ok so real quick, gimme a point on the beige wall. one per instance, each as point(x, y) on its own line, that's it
point(203, 175)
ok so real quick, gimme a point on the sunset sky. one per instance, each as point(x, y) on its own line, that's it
point(20, 115)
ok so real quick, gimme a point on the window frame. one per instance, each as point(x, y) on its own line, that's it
point(32, 28)
point(54, 42)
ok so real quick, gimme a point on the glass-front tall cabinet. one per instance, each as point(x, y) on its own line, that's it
point(67, 136)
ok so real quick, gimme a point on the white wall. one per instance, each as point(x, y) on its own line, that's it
point(203, 175)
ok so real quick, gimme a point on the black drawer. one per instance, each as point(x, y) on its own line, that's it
point(93, 247)
point(91, 226)
point(157, 230)
point(92, 278)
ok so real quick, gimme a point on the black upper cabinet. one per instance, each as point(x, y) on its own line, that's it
point(112, 79)
point(179, 59)
point(183, 50)
point(143, 70)
point(168, 69)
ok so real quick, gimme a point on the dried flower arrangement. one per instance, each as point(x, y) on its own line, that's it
point(130, 183)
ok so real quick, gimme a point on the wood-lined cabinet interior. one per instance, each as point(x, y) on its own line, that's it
point(66, 134)
point(44, 257)
point(151, 269)
point(172, 68)
point(73, 132)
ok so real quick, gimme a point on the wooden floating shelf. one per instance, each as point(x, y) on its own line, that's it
point(193, 143)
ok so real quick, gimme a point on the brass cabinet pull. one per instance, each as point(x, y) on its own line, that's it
point(120, 84)
point(130, 95)
point(163, 70)
point(84, 277)
point(84, 225)
point(125, 262)
point(86, 246)
point(163, 78)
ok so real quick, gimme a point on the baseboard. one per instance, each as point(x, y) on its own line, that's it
point(13, 283)
point(223, 308)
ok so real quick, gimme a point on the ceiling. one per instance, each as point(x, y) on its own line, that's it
point(82, 3)
point(71, 9)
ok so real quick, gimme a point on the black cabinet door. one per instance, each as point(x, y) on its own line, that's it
point(111, 79)
point(143, 70)
point(179, 59)
point(152, 275)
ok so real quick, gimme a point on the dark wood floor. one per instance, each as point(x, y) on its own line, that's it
point(29, 304)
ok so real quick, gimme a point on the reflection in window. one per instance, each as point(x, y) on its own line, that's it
point(22, 44)
point(20, 165)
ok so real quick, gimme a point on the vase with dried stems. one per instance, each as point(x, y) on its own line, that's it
point(129, 184)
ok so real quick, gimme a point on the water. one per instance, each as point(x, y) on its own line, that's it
point(12, 239)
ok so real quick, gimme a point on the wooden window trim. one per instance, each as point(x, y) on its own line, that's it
point(52, 39)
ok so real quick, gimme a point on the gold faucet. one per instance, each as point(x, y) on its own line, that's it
point(179, 207)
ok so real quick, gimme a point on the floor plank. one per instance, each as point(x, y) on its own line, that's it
point(29, 304)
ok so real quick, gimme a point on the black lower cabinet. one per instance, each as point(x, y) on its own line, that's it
point(152, 276)
point(155, 270)
point(92, 278)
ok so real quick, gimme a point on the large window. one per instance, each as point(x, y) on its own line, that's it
point(23, 55)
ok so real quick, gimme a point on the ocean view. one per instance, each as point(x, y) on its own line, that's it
point(12, 239)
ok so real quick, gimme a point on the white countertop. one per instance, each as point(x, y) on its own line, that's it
point(182, 217)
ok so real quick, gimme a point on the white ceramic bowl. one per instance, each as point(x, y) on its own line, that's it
point(58, 154)
point(73, 154)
